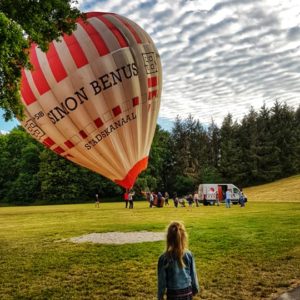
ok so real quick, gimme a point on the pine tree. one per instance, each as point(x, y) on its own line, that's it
point(213, 134)
point(248, 135)
point(284, 133)
point(210, 171)
point(229, 150)
point(268, 154)
point(180, 147)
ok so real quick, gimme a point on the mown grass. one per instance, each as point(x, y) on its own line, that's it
point(241, 253)
point(284, 190)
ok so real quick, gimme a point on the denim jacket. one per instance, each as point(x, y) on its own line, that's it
point(171, 276)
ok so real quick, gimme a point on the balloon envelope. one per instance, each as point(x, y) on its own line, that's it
point(94, 96)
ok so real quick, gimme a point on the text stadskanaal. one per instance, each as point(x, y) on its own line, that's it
point(108, 130)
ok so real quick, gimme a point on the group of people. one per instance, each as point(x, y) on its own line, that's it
point(190, 199)
point(160, 200)
point(157, 199)
point(242, 199)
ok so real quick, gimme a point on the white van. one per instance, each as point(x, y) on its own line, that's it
point(210, 193)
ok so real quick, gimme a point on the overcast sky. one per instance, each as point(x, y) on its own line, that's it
point(219, 56)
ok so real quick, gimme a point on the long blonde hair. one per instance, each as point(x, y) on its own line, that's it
point(177, 242)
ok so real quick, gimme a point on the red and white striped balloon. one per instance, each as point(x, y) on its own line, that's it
point(94, 97)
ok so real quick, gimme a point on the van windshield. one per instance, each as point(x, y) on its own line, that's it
point(235, 190)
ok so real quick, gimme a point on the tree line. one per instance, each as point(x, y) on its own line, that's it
point(264, 146)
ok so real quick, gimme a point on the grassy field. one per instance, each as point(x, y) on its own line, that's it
point(287, 190)
point(241, 253)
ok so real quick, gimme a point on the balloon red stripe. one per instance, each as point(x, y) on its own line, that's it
point(116, 32)
point(26, 91)
point(152, 81)
point(59, 150)
point(38, 76)
point(83, 134)
point(117, 110)
point(131, 176)
point(95, 37)
point(76, 50)
point(154, 93)
point(69, 144)
point(55, 64)
point(95, 14)
point(48, 142)
point(98, 122)
point(131, 29)
point(135, 101)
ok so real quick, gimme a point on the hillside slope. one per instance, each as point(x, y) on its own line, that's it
point(287, 190)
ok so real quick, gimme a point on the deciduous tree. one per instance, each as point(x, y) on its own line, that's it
point(23, 22)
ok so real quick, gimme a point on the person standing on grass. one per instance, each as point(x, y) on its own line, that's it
point(97, 201)
point(126, 197)
point(227, 198)
point(159, 199)
point(130, 199)
point(176, 269)
point(151, 199)
point(196, 199)
point(176, 201)
point(242, 199)
point(167, 198)
point(190, 200)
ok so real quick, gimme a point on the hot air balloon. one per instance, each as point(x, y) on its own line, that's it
point(94, 96)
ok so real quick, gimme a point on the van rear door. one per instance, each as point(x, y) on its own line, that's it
point(220, 193)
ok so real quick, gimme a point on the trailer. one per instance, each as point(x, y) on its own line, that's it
point(212, 193)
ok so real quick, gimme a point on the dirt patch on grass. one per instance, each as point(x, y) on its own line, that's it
point(120, 237)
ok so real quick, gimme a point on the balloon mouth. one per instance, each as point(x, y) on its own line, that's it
point(133, 173)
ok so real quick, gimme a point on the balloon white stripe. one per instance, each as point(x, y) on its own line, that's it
point(142, 126)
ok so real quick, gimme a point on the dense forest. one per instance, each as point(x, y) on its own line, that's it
point(262, 147)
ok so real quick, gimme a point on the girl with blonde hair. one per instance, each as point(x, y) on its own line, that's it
point(176, 268)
